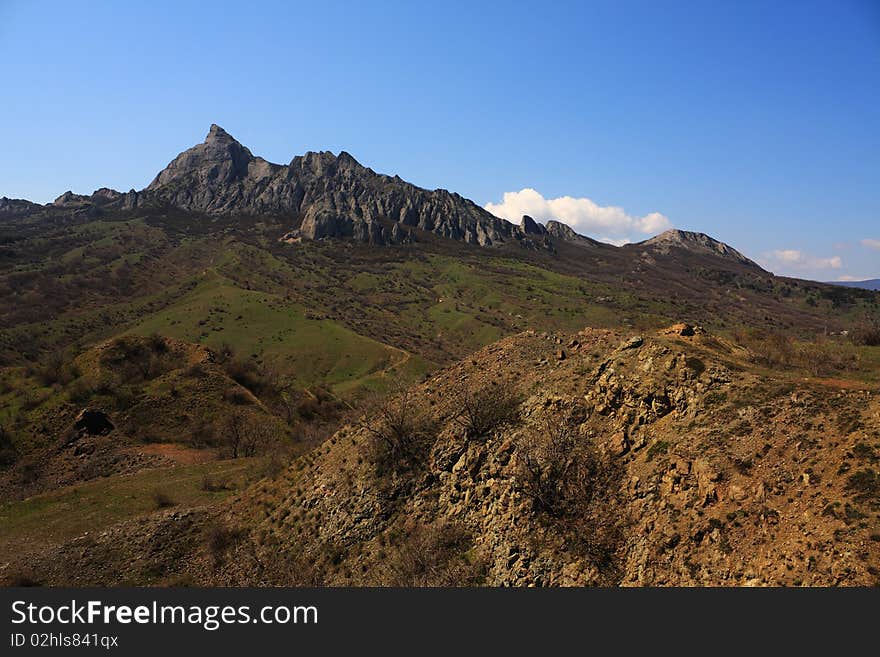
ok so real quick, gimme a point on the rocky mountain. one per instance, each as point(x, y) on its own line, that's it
point(564, 232)
point(323, 195)
point(335, 196)
point(670, 240)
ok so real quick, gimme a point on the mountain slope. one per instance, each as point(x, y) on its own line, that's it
point(608, 458)
point(699, 242)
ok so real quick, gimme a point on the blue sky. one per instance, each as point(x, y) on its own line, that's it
point(755, 122)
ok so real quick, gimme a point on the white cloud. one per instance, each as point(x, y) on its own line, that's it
point(792, 259)
point(871, 244)
point(619, 242)
point(607, 223)
point(847, 277)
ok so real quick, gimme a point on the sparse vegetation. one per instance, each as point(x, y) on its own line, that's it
point(162, 500)
point(576, 488)
point(435, 555)
point(484, 410)
point(220, 538)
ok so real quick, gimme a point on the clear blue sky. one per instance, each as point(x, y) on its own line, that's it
point(756, 122)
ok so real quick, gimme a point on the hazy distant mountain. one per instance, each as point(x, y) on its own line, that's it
point(870, 284)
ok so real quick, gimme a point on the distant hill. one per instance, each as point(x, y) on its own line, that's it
point(870, 284)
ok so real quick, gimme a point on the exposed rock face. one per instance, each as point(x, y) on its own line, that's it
point(561, 231)
point(16, 206)
point(698, 242)
point(531, 227)
point(100, 197)
point(704, 489)
point(337, 196)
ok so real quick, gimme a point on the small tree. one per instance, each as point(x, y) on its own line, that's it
point(245, 437)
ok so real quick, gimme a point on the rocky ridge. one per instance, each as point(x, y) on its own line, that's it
point(334, 196)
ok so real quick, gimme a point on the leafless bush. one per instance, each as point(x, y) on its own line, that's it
point(245, 436)
point(867, 336)
point(139, 359)
point(211, 485)
point(400, 431)
point(768, 348)
point(220, 538)
point(819, 356)
point(484, 409)
point(574, 487)
point(435, 555)
point(8, 453)
point(57, 369)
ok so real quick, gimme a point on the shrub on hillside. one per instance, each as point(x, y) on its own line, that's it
point(483, 410)
point(575, 488)
point(245, 436)
point(401, 432)
point(867, 336)
point(8, 453)
point(139, 359)
point(219, 539)
point(162, 500)
point(435, 555)
point(56, 369)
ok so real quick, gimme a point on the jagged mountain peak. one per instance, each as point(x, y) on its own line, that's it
point(334, 195)
point(218, 134)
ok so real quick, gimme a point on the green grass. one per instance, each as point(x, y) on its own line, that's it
point(270, 329)
point(66, 513)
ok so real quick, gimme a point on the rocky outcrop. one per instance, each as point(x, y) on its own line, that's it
point(99, 198)
point(694, 242)
point(334, 196)
point(16, 207)
point(531, 227)
point(561, 231)
point(706, 490)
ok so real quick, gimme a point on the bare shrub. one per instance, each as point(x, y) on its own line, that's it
point(20, 579)
point(401, 432)
point(765, 347)
point(238, 396)
point(822, 357)
point(139, 359)
point(8, 453)
point(435, 555)
point(244, 436)
point(56, 369)
point(483, 410)
point(220, 538)
point(867, 336)
point(211, 485)
point(575, 488)
point(203, 435)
